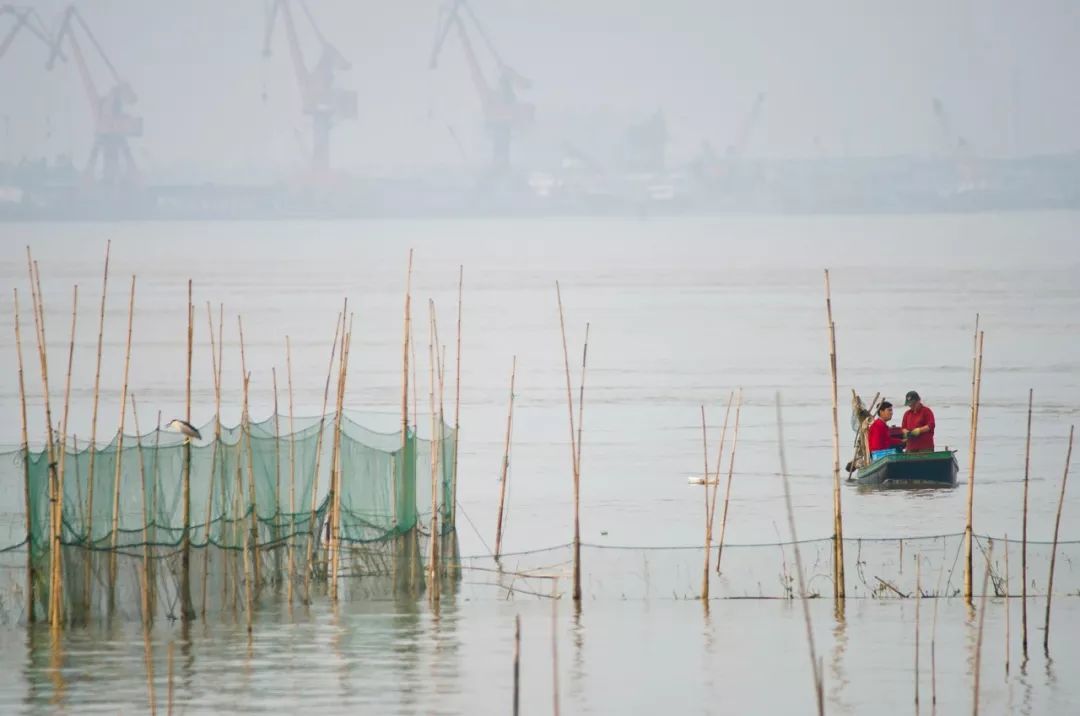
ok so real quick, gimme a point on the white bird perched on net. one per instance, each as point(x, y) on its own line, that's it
point(186, 428)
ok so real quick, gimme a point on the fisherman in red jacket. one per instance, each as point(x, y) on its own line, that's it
point(878, 436)
point(918, 424)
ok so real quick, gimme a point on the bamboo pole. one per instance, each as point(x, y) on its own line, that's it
point(334, 533)
point(309, 564)
point(433, 562)
point(147, 616)
point(573, 455)
point(1053, 553)
point(819, 690)
point(246, 535)
point(838, 521)
point(277, 472)
point(169, 659)
point(407, 466)
point(457, 401)
point(979, 637)
point(254, 542)
point(517, 662)
point(292, 471)
point(968, 533)
point(581, 398)
point(39, 332)
point(215, 456)
point(62, 460)
point(154, 477)
point(933, 641)
point(730, 474)
point(148, 652)
point(30, 571)
point(115, 535)
point(1007, 610)
point(187, 610)
point(1023, 553)
point(505, 463)
point(93, 437)
point(708, 535)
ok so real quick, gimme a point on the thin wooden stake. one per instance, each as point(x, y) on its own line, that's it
point(148, 652)
point(215, 455)
point(433, 562)
point(819, 687)
point(58, 500)
point(169, 658)
point(187, 609)
point(249, 554)
point(87, 581)
point(517, 662)
point(334, 535)
point(1007, 611)
point(1023, 553)
point(120, 456)
point(708, 535)
point(254, 541)
point(277, 474)
point(918, 604)
point(505, 463)
point(292, 471)
point(730, 474)
point(147, 616)
point(838, 520)
point(457, 401)
point(1053, 553)
point(31, 574)
point(573, 454)
point(968, 533)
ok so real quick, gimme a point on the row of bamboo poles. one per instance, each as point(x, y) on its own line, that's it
point(58, 438)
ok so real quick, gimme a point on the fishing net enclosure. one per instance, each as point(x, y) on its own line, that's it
point(261, 491)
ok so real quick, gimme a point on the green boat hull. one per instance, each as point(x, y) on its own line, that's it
point(919, 469)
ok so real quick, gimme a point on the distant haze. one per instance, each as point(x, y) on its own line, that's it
point(841, 78)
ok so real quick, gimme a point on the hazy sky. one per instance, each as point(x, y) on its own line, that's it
point(842, 77)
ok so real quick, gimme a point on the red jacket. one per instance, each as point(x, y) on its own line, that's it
point(878, 436)
point(917, 419)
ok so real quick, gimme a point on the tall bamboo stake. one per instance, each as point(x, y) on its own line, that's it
point(215, 456)
point(147, 616)
point(407, 465)
point(154, 476)
point(93, 436)
point(254, 542)
point(505, 462)
point(838, 523)
point(312, 525)
point(517, 662)
point(1023, 553)
point(63, 454)
point(187, 610)
point(1053, 554)
point(457, 401)
point(918, 604)
point(933, 641)
point(581, 397)
point(277, 473)
point(248, 556)
point(433, 562)
point(1007, 610)
point(31, 599)
point(169, 660)
point(819, 690)
point(705, 451)
point(292, 471)
point(335, 466)
point(148, 652)
point(120, 455)
point(979, 637)
point(573, 454)
point(730, 474)
point(968, 534)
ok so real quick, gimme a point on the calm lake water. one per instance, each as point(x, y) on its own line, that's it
point(681, 313)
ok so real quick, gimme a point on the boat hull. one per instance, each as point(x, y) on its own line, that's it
point(920, 469)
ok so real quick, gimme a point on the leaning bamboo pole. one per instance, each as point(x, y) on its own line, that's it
point(433, 561)
point(187, 610)
point(31, 574)
point(969, 538)
point(292, 472)
point(408, 465)
point(457, 402)
point(505, 462)
point(87, 582)
point(1023, 553)
point(1007, 610)
point(334, 533)
point(147, 616)
point(708, 535)
point(730, 475)
point(254, 541)
point(246, 535)
point(517, 663)
point(1053, 553)
point(39, 332)
point(819, 690)
point(573, 454)
point(277, 475)
point(215, 454)
point(312, 525)
point(58, 500)
point(977, 668)
point(154, 477)
point(918, 604)
point(115, 534)
point(838, 521)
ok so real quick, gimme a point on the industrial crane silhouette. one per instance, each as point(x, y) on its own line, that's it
point(325, 103)
point(113, 125)
point(25, 17)
point(504, 113)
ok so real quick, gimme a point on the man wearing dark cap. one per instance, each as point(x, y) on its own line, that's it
point(918, 424)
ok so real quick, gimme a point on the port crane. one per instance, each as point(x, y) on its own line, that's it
point(111, 161)
point(504, 113)
point(24, 17)
point(321, 99)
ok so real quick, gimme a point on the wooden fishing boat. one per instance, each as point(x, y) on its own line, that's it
point(915, 469)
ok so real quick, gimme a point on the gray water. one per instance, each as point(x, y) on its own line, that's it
point(681, 313)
